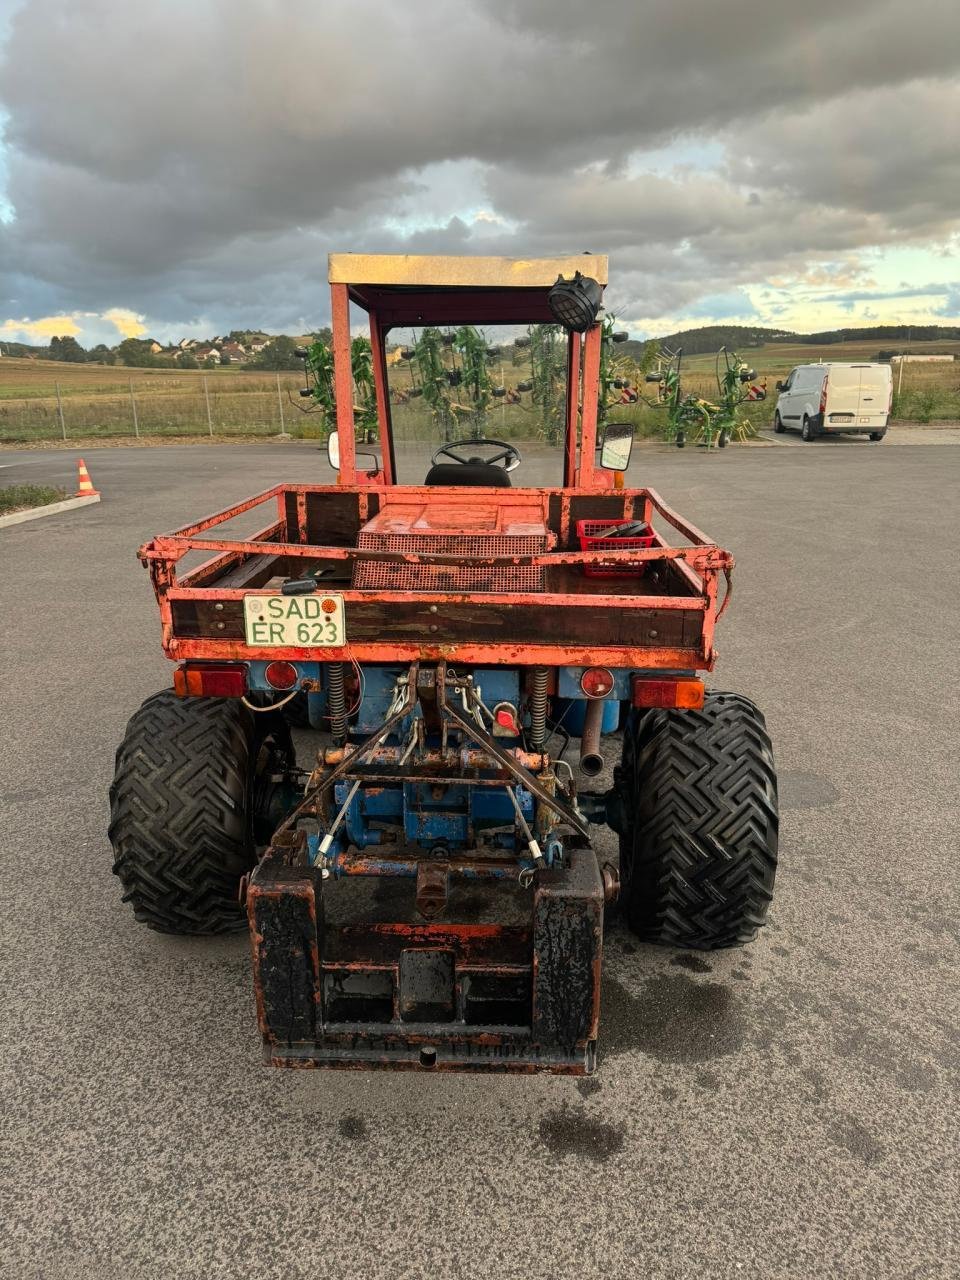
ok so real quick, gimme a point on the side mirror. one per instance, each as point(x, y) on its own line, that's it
point(333, 456)
point(617, 446)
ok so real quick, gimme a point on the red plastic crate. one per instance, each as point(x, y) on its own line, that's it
point(588, 532)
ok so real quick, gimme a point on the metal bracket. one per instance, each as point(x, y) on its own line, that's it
point(432, 880)
point(306, 805)
point(483, 739)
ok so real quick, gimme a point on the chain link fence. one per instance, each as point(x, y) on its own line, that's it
point(93, 403)
point(84, 407)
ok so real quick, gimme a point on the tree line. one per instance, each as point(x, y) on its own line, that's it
point(278, 354)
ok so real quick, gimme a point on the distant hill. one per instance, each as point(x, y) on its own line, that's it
point(736, 337)
point(880, 332)
point(21, 350)
point(710, 338)
point(703, 341)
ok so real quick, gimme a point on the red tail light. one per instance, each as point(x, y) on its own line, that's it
point(281, 675)
point(596, 682)
point(685, 692)
point(823, 393)
point(210, 680)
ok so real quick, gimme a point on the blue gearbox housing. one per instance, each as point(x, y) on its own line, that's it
point(437, 814)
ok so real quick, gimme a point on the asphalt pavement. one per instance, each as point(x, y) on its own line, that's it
point(786, 1110)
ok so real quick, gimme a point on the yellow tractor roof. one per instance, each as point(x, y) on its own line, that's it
point(430, 271)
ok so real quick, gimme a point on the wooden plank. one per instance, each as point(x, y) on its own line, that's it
point(333, 519)
point(253, 573)
point(480, 623)
point(446, 272)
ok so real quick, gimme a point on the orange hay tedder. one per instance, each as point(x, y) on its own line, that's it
point(426, 894)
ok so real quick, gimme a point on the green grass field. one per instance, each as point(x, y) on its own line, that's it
point(99, 402)
point(21, 497)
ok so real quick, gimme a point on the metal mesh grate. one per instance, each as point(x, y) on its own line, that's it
point(466, 544)
point(373, 576)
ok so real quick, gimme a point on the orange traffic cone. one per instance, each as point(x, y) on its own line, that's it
point(85, 489)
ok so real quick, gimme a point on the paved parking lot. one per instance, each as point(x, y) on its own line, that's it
point(788, 1110)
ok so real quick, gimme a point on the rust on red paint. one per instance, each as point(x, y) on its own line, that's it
point(433, 878)
point(209, 589)
point(442, 985)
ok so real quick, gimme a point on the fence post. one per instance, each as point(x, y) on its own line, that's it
point(206, 396)
point(283, 428)
point(133, 403)
point(63, 426)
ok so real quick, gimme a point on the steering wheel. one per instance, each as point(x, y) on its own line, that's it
point(503, 452)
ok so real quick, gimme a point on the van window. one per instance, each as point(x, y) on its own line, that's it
point(788, 383)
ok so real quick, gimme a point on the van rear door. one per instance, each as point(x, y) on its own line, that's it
point(843, 397)
point(858, 397)
point(875, 384)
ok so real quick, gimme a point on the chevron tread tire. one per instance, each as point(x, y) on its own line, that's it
point(698, 852)
point(179, 812)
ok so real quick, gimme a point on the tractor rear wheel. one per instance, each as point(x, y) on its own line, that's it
point(698, 846)
point(189, 773)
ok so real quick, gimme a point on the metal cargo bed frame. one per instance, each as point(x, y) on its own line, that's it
point(661, 617)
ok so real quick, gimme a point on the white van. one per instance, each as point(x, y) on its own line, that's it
point(825, 399)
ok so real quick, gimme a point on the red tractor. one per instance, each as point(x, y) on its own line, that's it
point(426, 893)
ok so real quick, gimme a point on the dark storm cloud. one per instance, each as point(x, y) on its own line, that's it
point(198, 159)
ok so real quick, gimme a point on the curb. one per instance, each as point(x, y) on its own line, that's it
point(51, 509)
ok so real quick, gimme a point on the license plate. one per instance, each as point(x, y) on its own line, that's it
point(841, 417)
point(291, 622)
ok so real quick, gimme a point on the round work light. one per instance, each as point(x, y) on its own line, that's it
point(575, 303)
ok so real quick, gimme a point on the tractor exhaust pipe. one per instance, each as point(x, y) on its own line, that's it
point(591, 761)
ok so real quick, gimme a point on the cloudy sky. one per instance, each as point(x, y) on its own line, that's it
point(184, 167)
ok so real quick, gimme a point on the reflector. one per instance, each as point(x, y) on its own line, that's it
point(210, 680)
point(281, 675)
point(596, 682)
point(685, 692)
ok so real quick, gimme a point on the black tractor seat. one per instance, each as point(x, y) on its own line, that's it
point(474, 473)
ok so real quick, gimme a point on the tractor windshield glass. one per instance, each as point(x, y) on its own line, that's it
point(461, 384)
